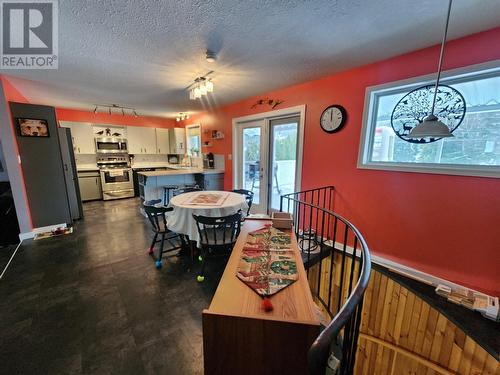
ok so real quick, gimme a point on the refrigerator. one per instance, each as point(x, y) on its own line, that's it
point(70, 173)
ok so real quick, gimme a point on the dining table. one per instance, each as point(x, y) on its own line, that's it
point(212, 203)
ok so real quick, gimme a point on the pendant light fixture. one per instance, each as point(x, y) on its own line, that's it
point(201, 87)
point(432, 127)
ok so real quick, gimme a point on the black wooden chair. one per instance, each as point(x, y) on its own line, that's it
point(217, 235)
point(158, 220)
point(248, 196)
point(254, 174)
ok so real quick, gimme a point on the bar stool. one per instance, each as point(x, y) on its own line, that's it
point(186, 189)
point(168, 192)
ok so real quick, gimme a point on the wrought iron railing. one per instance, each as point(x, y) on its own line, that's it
point(338, 265)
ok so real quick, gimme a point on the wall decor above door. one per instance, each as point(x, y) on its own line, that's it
point(273, 103)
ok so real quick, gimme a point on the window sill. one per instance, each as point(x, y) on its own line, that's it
point(447, 169)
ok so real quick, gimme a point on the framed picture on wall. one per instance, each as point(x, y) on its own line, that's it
point(29, 127)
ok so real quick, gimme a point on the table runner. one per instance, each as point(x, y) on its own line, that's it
point(267, 264)
point(207, 199)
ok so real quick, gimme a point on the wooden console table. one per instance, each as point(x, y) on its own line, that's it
point(239, 337)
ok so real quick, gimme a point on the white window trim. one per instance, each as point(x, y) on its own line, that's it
point(366, 138)
point(190, 127)
point(290, 111)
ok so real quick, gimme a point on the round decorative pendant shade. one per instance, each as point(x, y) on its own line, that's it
point(413, 110)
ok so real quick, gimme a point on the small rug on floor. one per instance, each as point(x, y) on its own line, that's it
point(53, 233)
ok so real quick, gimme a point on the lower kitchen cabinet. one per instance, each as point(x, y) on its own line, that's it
point(90, 185)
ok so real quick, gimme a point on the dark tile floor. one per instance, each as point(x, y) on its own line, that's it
point(93, 302)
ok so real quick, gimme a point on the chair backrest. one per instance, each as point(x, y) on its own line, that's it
point(218, 231)
point(186, 189)
point(156, 215)
point(248, 196)
point(254, 169)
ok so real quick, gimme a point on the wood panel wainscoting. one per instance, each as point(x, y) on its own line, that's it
point(400, 333)
point(239, 337)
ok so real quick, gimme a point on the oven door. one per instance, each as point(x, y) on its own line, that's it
point(110, 145)
point(117, 179)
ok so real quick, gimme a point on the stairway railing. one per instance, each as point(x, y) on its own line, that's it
point(338, 265)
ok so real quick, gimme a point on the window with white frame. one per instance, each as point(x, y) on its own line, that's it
point(475, 147)
point(193, 139)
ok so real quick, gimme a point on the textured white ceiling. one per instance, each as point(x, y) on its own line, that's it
point(144, 53)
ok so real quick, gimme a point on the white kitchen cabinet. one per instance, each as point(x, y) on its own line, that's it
point(177, 141)
point(141, 140)
point(82, 135)
point(162, 141)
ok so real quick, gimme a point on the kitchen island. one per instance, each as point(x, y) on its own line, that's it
point(151, 183)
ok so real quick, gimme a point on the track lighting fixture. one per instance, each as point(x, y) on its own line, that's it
point(115, 108)
point(182, 116)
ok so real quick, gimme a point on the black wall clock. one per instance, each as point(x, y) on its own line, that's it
point(333, 118)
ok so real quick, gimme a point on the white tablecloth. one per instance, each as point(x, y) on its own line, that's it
point(181, 220)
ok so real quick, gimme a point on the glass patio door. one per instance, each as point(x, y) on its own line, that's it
point(283, 159)
point(267, 160)
point(251, 158)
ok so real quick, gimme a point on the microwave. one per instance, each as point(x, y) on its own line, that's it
point(111, 145)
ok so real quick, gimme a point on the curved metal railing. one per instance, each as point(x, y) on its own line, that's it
point(338, 265)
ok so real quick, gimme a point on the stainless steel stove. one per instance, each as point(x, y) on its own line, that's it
point(116, 176)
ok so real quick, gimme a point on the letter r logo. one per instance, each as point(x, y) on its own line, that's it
point(27, 28)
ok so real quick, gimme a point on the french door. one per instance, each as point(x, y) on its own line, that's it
point(252, 162)
point(267, 161)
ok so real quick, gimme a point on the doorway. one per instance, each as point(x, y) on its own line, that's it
point(267, 160)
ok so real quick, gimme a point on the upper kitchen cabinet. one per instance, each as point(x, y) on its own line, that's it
point(177, 141)
point(162, 141)
point(82, 135)
point(141, 140)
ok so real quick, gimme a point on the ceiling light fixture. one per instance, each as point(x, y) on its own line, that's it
point(201, 87)
point(431, 127)
point(210, 56)
point(182, 116)
point(115, 109)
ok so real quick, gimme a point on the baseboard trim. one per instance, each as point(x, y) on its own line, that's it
point(402, 269)
point(29, 235)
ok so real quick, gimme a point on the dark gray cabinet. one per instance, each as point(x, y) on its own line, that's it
point(210, 181)
point(90, 185)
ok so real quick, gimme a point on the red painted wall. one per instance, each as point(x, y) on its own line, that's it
point(11, 93)
point(64, 114)
point(440, 224)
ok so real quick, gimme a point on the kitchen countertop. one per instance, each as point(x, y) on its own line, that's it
point(173, 172)
point(152, 165)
